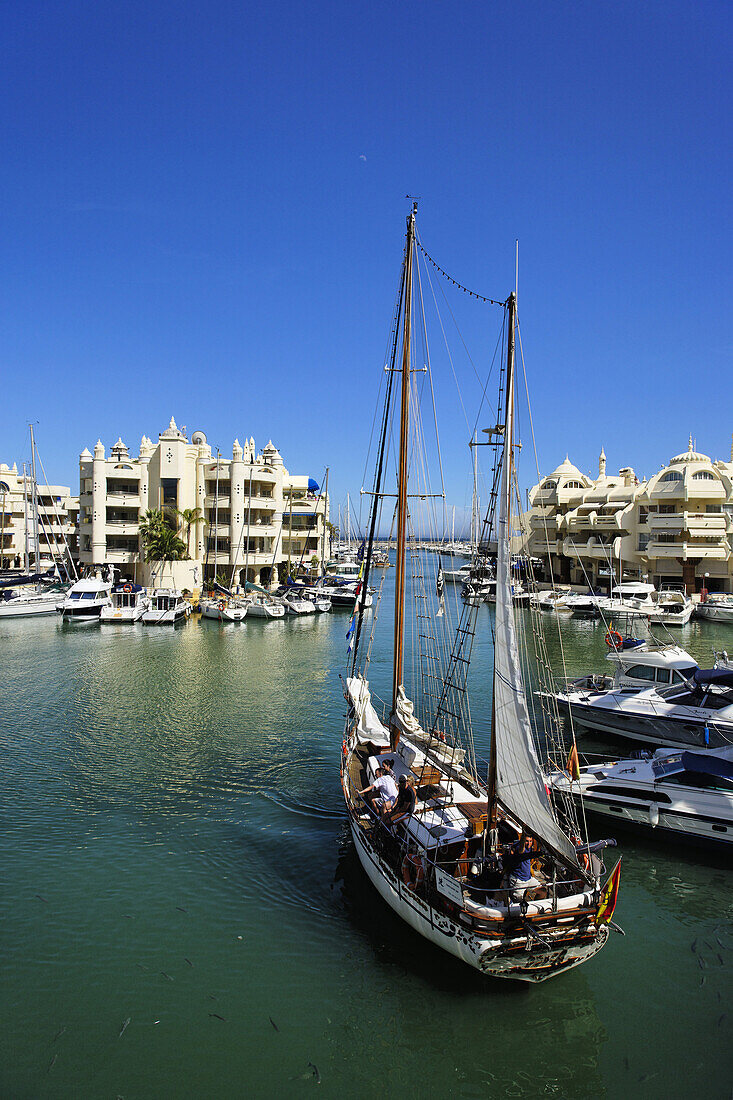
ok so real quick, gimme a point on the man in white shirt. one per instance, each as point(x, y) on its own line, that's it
point(382, 793)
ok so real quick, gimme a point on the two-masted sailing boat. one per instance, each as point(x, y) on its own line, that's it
point(490, 866)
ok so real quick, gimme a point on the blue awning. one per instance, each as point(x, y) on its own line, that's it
point(722, 676)
point(313, 486)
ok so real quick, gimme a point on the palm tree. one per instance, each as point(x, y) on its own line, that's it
point(190, 517)
point(160, 537)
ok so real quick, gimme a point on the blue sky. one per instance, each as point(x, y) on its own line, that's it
point(203, 214)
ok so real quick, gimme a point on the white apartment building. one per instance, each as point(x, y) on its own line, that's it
point(56, 522)
point(675, 528)
point(258, 517)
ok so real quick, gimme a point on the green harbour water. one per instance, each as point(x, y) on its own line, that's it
point(175, 854)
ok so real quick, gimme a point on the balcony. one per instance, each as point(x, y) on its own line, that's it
point(116, 556)
point(718, 551)
point(122, 527)
point(210, 500)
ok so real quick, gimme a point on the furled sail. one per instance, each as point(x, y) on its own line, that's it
point(520, 784)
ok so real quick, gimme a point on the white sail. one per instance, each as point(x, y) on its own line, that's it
point(520, 784)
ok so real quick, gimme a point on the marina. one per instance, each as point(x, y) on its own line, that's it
point(166, 794)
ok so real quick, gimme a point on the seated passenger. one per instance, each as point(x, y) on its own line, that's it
point(404, 805)
point(381, 794)
point(518, 863)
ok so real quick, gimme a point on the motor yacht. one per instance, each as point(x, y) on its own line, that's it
point(631, 597)
point(673, 607)
point(86, 600)
point(129, 602)
point(554, 599)
point(695, 713)
point(167, 607)
point(718, 607)
point(686, 795)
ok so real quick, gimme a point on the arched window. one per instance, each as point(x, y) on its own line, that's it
point(4, 488)
point(573, 485)
point(704, 475)
point(548, 483)
point(672, 475)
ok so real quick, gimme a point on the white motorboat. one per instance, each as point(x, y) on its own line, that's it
point(86, 600)
point(697, 713)
point(686, 795)
point(638, 667)
point(167, 607)
point(554, 599)
point(718, 607)
point(673, 607)
point(129, 602)
point(224, 610)
point(583, 605)
point(342, 572)
point(629, 598)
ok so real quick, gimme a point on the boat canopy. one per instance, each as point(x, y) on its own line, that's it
point(708, 764)
point(705, 676)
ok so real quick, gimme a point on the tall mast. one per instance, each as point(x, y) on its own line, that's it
point(216, 519)
point(325, 516)
point(399, 619)
point(26, 556)
point(36, 531)
point(505, 506)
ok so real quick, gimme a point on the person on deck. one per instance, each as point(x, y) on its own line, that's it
point(381, 794)
point(518, 862)
point(404, 805)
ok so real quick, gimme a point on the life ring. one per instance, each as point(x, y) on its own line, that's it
point(222, 605)
point(127, 588)
point(613, 639)
point(413, 870)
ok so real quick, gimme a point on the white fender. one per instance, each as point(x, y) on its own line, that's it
point(653, 814)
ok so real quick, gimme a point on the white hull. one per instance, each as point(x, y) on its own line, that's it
point(716, 614)
point(265, 611)
point(36, 605)
point(121, 614)
point(531, 966)
point(224, 614)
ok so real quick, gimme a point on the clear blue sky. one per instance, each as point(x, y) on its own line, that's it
point(203, 212)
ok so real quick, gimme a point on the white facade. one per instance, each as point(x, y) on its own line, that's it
point(56, 526)
point(677, 527)
point(257, 515)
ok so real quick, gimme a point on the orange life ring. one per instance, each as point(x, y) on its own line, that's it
point(127, 588)
point(413, 870)
point(222, 605)
point(613, 639)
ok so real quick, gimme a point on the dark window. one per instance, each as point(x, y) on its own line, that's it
point(641, 672)
point(698, 779)
point(630, 792)
point(169, 492)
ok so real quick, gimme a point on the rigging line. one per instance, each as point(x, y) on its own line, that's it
point(394, 334)
point(481, 297)
point(430, 381)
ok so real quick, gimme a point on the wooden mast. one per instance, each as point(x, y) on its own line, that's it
point(508, 458)
point(399, 618)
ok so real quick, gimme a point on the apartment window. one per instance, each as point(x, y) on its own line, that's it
point(704, 475)
point(667, 509)
point(672, 475)
point(643, 542)
point(714, 508)
point(666, 536)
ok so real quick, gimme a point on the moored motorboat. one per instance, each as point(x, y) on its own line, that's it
point(718, 607)
point(685, 795)
point(673, 607)
point(86, 599)
point(129, 602)
point(167, 607)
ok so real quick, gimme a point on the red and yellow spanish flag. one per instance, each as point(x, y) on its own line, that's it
point(607, 903)
point(573, 764)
